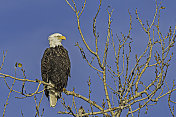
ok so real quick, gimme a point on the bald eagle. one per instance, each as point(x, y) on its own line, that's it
point(55, 68)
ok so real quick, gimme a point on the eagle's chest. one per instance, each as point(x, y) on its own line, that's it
point(57, 53)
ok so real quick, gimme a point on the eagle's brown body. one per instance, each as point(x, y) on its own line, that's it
point(55, 69)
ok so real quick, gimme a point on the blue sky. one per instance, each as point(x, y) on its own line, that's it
point(26, 25)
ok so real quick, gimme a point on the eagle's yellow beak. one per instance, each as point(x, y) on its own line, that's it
point(62, 37)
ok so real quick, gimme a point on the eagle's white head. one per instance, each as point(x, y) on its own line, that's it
point(56, 39)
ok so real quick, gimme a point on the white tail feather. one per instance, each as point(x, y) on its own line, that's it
point(53, 94)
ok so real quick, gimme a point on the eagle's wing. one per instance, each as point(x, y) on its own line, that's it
point(45, 68)
point(47, 72)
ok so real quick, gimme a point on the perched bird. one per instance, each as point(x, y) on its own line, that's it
point(55, 68)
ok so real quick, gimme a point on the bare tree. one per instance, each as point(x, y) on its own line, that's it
point(125, 88)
